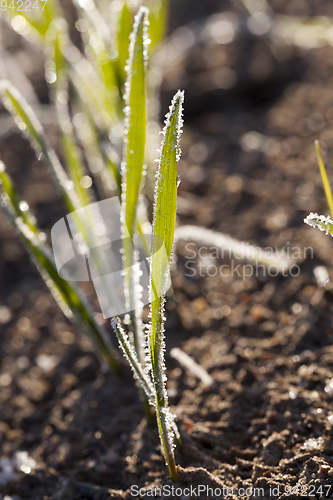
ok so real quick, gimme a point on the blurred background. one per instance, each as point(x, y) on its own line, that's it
point(258, 80)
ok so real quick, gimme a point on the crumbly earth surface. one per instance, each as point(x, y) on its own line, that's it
point(248, 170)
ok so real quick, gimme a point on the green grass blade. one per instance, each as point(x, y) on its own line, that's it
point(68, 297)
point(105, 172)
point(135, 120)
point(124, 31)
point(73, 157)
point(133, 163)
point(164, 220)
point(165, 201)
point(158, 19)
point(327, 187)
point(99, 49)
point(56, 66)
point(28, 122)
point(131, 356)
point(93, 92)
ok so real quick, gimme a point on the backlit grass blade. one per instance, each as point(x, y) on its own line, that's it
point(68, 297)
point(99, 49)
point(124, 31)
point(39, 20)
point(28, 122)
point(83, 222)
point(132, 165)
point(56, 74)
point(135, 120)
point(81, 71)
point(105, 172)
point(327, 187)
point(92, 91)
point(164, 220)
point(243, 250)
point(158, 17)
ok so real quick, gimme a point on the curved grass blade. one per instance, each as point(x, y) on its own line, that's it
point(69, 298)
point(158, 18)
point(82, 218)
point(327, 187)
point(104, 170)
point(28, 122)
point(135, 120)
point(164, 220)
point(82, 74)
point(56, 72)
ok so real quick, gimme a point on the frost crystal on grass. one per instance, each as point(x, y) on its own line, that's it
point(164, 219)
point(132, 169)
point(131, 356)
point(321, 222)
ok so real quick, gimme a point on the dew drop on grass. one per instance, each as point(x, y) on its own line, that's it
point(50, 76)
point(23, 206)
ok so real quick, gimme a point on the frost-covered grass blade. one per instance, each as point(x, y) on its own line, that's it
point(164, 220)
point(327, 187)
point(57, 66)
point(135, 119)
point(28, 122)
point(158, 16)
point(68, 297)
point(132, 358)
point(124, 31)
point(132, 165)
point(97, 43)
point(131, 172)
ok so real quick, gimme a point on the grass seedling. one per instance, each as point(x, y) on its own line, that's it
point(153, 377)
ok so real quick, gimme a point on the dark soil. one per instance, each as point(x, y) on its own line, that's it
point(266, 341)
